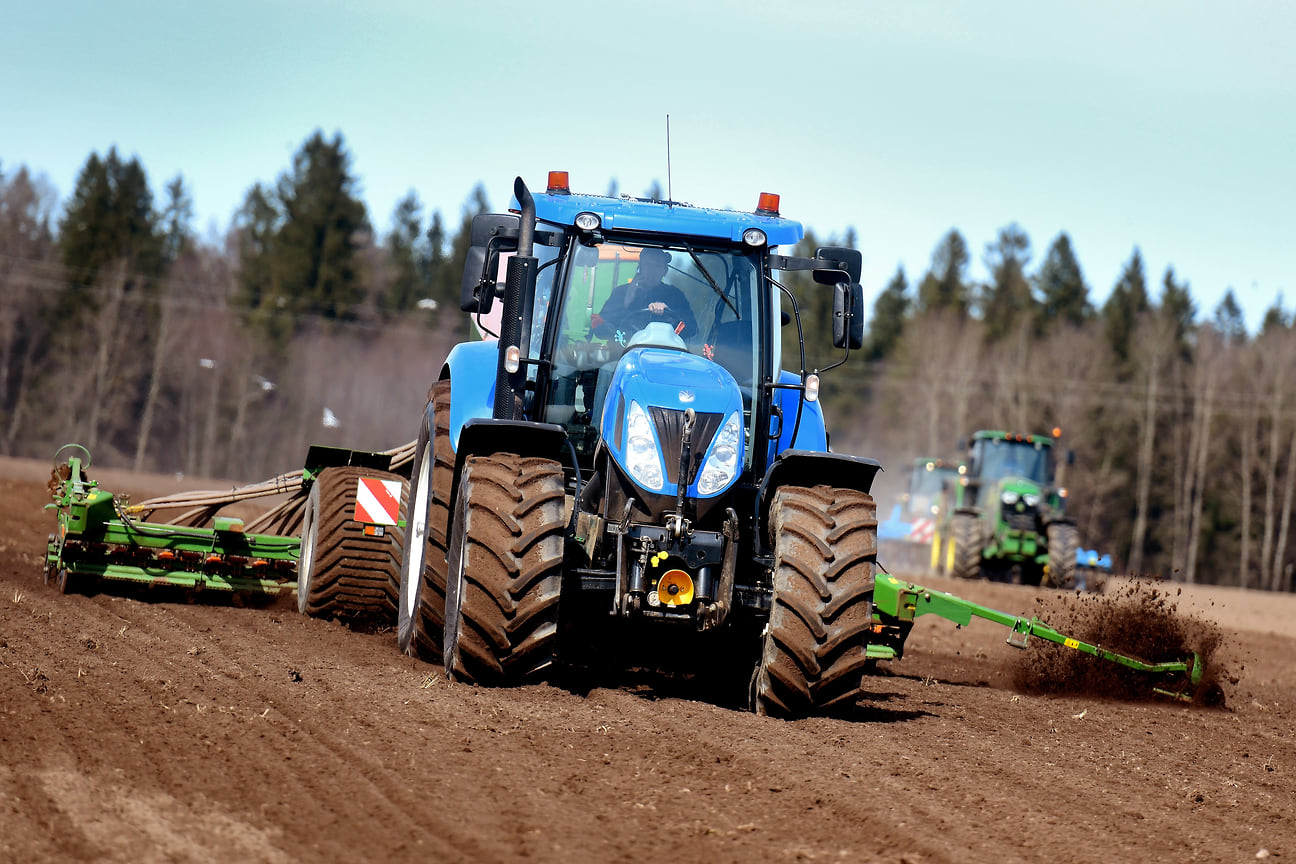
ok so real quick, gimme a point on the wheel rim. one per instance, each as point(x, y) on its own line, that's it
point(305, 562)
point(458, 560)
point(416, 544)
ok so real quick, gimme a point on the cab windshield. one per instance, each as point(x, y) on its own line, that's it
point(619, 295)
point(1000, 459)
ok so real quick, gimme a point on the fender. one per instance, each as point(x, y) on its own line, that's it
point(471, 367)
point(520, 437)
point(812, 468)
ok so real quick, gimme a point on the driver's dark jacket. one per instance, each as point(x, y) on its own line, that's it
point(624, 307)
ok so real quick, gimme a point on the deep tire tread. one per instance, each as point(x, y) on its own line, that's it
point(513, 570)
point(825, 550)
point(352, 575)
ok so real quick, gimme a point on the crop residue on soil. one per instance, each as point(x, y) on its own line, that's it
point(1141, 620)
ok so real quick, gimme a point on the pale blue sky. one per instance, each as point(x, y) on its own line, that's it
point(1166, 125)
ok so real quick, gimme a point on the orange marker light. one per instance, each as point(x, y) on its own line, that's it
point(1057, 431)
point(558, 184)
point(768, 204)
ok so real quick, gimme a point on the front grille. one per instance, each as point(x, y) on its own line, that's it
point(670, 432)
point(1020, 521)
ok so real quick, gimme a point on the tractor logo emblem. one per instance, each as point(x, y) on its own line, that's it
point(687, 396)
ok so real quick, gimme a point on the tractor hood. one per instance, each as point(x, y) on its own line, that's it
point(645, 416)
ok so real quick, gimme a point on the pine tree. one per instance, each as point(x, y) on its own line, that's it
point(1176, 306)
point(1229, 321)
point(1063, 293)
point(176, 221)
point(1007, 299)
point(110, 220)
point(890, 311)
point(1126, 304)
point(408, 253)
point(945, 285)
point(324, 226)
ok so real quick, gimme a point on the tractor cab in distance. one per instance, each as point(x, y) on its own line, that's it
point(1009, 516)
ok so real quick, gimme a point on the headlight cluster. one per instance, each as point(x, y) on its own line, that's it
point(1030, 499)
point(641, 452)
point(722, 464)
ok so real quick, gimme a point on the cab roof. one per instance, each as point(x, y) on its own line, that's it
point(665, 217)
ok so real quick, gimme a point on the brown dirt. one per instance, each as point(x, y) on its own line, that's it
point(150, 730)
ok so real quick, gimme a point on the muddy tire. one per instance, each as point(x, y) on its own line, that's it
point(420, 624)
point(1063, 541)
point(344, 573)
point(965, 535)
point(505, 574)
point(814, 649)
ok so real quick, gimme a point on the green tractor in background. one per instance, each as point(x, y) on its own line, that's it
point(1006, 516)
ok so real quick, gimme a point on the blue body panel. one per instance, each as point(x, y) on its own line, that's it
point(669, 379)
point(472, 392)
point(812, 434)
point(629, 214)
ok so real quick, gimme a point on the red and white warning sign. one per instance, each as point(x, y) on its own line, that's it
point(922, 531)
point(377, 501)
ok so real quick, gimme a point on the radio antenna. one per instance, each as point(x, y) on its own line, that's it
point(670, 198)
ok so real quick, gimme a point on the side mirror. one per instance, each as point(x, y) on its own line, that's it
point(497, 227)
point(491, 234)
point(848, 315)
point(476, 291)
point(848, 259)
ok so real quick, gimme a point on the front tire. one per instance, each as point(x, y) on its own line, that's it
point(505, 575)
point(966, 539)
point(420, 624)
point(815, 645)
point(344, 572)
point(1063, 541)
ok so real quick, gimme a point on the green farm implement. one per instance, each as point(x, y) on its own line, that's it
point(897, 604)
point(328, 539)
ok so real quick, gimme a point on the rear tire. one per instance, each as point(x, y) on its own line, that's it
point(343, 572)
point(420, 625)
point(505, 575)
point(815, 646)
point(966, 539)
point(1063, 541)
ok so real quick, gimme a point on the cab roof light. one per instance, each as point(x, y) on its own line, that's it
point(558, 183)
point(768, 204)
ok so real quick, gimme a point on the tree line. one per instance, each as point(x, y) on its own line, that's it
point(121, 331)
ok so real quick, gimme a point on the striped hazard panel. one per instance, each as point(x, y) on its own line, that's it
point(377, 501)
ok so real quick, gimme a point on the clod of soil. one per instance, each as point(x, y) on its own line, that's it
point(1141, 620)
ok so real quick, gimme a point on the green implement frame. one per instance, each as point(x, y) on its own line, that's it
point(900, 603)
point(96, 538)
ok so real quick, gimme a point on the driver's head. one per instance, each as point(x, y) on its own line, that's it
point(652, 264)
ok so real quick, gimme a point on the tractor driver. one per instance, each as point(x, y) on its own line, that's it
point(644, 299)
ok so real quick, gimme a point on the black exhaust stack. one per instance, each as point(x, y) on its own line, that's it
point(519, 293)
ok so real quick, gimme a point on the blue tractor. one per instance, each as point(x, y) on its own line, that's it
point(654, 492)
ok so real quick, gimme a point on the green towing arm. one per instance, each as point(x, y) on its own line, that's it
point(905, 601)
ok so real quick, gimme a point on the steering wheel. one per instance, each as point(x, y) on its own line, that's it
point(641, 318)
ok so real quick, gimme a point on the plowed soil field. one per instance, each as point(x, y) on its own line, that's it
point(141, 730)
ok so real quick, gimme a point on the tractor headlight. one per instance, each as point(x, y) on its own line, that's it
point(1031, 499)
point(721, 464)
point(754, 237)
point(588, 221)
point(643, 459)
point(1009, 497)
